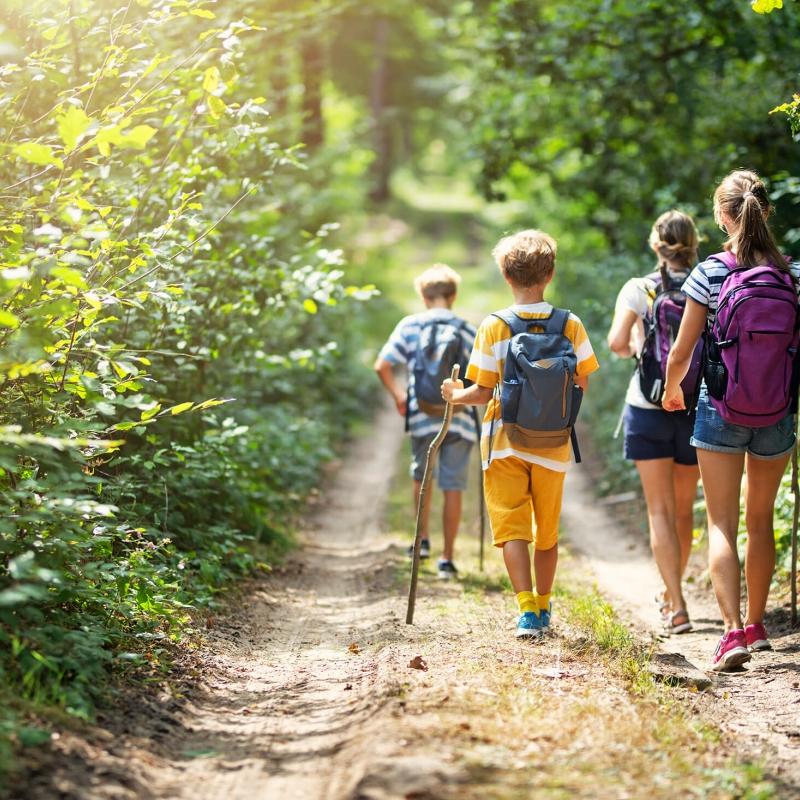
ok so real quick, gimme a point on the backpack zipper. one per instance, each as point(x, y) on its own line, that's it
point(744, 300)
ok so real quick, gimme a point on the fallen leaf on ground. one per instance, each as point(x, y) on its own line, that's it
point(354, 649)
point(418, 662)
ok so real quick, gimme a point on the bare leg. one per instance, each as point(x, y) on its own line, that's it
point(544, 568)
point(451, 521)
point(517, 558)
point(417, 490)
point(722, 479)
point(763, 480)
point(685, 480)
point(657, 477)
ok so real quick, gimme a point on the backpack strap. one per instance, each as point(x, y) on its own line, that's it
point(725, 258)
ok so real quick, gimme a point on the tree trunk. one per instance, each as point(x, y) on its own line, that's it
point(313, 60)
point(381, 167)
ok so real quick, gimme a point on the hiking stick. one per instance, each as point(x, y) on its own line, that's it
point(420, 532)
point(795, 492)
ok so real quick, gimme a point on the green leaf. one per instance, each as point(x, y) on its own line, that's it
point(766, 6)
point(213, 402)
point(8, 320)
point(310, 306)
point(152, 412)
point(137, 137)
point(180, 408)
point(211, 79)
point(69, 276)
point(216, 107)
point(38, 154)
point(202, 12)
point(72, 125)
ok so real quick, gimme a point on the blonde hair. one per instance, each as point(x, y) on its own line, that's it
point(438, 281)
point(743, 198)
point(527, 258)
point(675, 238)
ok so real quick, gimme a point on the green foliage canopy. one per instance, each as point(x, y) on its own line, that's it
point(170, 375)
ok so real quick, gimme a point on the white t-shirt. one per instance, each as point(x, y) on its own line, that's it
point(637, 295)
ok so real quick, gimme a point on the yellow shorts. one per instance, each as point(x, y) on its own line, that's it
point(519, 494)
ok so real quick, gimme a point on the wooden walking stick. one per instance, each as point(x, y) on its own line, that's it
point(420, 533)
point(796, 493)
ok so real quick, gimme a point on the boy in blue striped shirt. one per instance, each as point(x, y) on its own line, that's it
point(437, 287)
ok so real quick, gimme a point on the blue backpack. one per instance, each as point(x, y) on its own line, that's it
point(439, 348)
point(539, 399)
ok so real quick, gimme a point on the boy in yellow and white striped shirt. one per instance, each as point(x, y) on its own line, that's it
point(523, 485)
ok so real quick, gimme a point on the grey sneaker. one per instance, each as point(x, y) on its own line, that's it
point(447, 569)
point(424, 549)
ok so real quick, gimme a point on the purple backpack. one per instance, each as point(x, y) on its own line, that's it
point(661, 325)
point(752, 344)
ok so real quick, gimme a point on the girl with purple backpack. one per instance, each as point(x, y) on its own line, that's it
point(745, 299)
point(646, 320)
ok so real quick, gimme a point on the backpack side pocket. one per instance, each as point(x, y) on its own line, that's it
point(716, 374)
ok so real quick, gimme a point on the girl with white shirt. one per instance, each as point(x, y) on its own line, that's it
point(656, 440)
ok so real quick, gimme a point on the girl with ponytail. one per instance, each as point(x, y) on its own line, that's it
point(745, 298)
point(658, 441)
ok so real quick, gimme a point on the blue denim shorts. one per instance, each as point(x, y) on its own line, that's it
point(711, 432)
point(451, 467)
point(654, 433)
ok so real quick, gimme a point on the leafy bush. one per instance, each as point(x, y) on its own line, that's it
point(172, 360)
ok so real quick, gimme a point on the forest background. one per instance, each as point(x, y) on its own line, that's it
point(211, 216)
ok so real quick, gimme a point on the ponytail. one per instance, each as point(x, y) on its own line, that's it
point(743, 198)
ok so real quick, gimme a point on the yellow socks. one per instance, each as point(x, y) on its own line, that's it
point(527, 602)
point(543, 601)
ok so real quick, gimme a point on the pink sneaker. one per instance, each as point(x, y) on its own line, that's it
point(757, 637)
point(731, 651)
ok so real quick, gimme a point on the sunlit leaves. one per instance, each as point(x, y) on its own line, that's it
point(211, 79)
point(72, 125)
point(216, 106)
point(39, 154)
point(137, 137)
point(766, 6)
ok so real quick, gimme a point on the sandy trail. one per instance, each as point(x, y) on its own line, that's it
point(758, 703)
point(288, 711)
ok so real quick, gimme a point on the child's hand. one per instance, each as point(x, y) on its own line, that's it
point(449, 388)
point(673, 399)
point(401, 402)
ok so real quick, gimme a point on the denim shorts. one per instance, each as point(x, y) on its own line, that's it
point(654, 433)
point(451, 467)
point(711, 432)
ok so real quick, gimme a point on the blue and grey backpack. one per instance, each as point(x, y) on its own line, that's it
point(539, 399)
point(439, 348)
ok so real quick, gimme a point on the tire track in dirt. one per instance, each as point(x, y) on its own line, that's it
point(759, 704)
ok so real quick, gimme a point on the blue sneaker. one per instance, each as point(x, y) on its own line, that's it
point(529, 626)
point(544, 619)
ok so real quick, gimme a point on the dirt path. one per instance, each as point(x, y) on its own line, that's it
point(305, 691)
point(758, 703)
point(290, 711)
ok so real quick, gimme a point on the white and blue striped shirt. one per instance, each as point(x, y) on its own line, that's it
point(705, 281)
point(402, 349)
